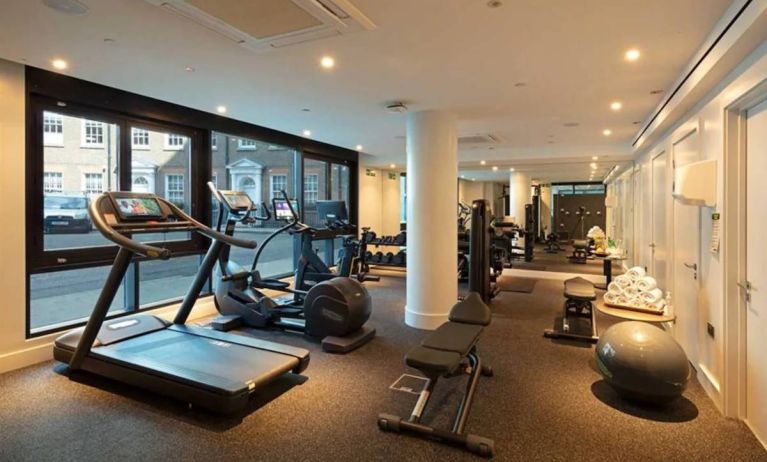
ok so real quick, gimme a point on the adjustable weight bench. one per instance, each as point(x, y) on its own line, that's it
point(579, 293)
point(580, 251)
point(449, 351)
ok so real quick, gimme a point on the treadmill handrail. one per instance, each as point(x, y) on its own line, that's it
point(211, 233)
point(120, 239)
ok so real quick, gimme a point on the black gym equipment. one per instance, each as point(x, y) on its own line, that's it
point(579, 295)
point(552, 243)
point(580, 253)
point(449, 351)
point(481, 274)
point(333, 311)
point(642, 363)
point(214, 370)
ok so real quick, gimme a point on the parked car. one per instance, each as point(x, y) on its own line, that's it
point(66, 213)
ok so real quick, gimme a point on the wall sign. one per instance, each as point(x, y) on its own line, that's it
point(715, 225)
point(370, 172)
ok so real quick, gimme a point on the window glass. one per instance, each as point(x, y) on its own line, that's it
point(67, 296)
point(339, 183)
point(80, 164)
point(589, 189)
point(261, 172)
point(166, 280)
point(315, 172)
point(139, 138)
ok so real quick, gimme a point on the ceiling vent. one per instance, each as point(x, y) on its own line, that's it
point(267, 24)
point(479, 140)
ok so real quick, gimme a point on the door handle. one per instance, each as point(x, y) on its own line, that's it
point(692, 266)
point(746, 287)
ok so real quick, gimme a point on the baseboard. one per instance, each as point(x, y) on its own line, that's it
point(40, 349)
point(711, 385)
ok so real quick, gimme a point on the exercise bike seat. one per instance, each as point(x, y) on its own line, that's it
point(580, 289)
point(274, 284)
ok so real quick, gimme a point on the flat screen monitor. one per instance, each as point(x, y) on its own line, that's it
point(282, 210)
point(237, 200)
point(138, 207)
point(332, 210)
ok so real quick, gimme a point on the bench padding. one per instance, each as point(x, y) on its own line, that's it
point(454, 337)
point(471, 310)
point(580, 289)
point(433, 362)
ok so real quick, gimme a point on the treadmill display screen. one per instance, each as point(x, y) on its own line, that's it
point(237, 200)
point(139, 207)
point(282, 210)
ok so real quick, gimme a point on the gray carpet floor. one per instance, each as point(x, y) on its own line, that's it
point(545, 403)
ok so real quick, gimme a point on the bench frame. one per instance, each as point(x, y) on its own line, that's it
point(579, 308)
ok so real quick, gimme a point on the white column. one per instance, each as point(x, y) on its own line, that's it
point(520, 193)
point(432, 192)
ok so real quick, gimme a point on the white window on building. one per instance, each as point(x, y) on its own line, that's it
point(311, 188)
point(174, 189)
point(244, 144)
point(53, 129)
point(214, 142)
point(276, 184)
point(53, 182)
point(93, 183)
point(93, 134)
point(139, 138)
point(174, 142)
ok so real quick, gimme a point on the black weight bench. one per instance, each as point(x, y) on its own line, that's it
point(449, 351)
point(579, 293)
point(580, 252)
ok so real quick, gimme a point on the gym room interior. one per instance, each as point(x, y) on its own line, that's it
point(352, 230)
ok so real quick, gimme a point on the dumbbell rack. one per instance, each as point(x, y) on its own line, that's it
point(380, 258)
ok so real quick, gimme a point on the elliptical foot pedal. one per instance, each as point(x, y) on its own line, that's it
point(225, 323)
point(347, 343)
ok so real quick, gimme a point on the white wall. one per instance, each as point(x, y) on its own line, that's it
point(379, 201)
point(391, 202)
point(708, 114)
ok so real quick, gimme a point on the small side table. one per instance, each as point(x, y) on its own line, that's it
point(607, 269)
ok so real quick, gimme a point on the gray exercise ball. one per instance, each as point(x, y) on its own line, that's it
point(642, 362)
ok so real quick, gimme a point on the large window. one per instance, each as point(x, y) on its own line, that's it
point(53, 129)
point(174, 189)
point(311, 189)
point(53, 182)
point(94, 184)
point(174, 142)
point(261, 173)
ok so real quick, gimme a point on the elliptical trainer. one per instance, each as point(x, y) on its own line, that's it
point(333, 311)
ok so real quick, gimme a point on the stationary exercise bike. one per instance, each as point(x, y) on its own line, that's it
point(311, 269)
point(333, 311)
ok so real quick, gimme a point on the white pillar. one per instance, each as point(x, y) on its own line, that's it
point(520, 194)
point(432, 243)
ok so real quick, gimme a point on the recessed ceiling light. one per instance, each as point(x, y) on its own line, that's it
point(511, 169)
point(358, 147)
point(632, 54)
point(520, 84)
point(109, 40)
point(307, 133)
point(473, 179)
point(593, 166)
point(607, 132)
point(495, 168)
point(327, 62)
point(59, 64)
point(594, 157)
point(494, 3)
point(189, 69)
point(616, 105)
point(392, 166)
point(482, 162)
point(221, 109)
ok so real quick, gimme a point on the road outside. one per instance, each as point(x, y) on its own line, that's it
point(69, 295)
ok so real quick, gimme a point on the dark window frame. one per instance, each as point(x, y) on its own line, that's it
point(69, 95)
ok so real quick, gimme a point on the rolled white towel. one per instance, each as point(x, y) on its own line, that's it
point(622, 300)
point(636, 273)
point(652, 297)
point(631, 292)
point(614, 288)
point(611, 298)
point(646, 284)
point(623, 281)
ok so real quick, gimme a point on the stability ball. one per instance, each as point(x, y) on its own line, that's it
point(642, 362)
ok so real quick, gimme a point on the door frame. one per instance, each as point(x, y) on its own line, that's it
point(734, 249)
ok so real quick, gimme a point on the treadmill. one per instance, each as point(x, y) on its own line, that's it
point(203, 367)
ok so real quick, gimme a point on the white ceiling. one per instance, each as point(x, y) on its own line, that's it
point(456, 55)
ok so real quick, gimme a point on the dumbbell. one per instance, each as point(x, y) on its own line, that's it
point(387, 258)
point(399, 258)
point(401, 238)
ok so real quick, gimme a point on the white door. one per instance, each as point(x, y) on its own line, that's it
point(686, 261)
point(756, 271)
point(659, 194)
point(645, 217)
point(248, 186)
